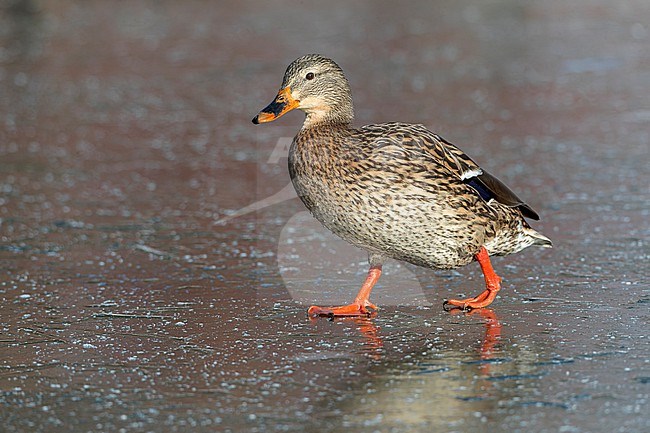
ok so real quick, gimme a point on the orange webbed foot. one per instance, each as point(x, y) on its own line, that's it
point(359, 308)
point(351, 310)
point(492, 286)
point(480, 301)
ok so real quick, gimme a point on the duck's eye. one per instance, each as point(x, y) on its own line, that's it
point(310, 76)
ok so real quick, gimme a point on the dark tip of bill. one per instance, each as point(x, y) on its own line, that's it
point(255, 121)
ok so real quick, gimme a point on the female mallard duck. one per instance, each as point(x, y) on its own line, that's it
point(397, 190)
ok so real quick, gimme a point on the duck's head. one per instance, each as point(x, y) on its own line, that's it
point(315, 85)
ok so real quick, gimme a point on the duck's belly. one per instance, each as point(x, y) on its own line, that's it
point(410, 224)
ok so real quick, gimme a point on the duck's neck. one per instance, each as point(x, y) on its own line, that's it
point(341, 115)
point(317, 123)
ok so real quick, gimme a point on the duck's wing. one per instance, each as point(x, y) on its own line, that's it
point(417, 138)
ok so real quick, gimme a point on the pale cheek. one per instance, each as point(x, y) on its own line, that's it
point(313, 104)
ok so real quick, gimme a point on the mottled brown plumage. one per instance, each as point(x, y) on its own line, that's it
point(396, 190)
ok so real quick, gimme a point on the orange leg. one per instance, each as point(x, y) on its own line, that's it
point(492, 286)
point(361, 303)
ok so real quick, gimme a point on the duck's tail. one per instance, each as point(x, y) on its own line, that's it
point(538, 238)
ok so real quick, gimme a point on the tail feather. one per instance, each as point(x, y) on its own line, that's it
point(538, 238)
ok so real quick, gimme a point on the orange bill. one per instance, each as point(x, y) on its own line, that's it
point(283, 103)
